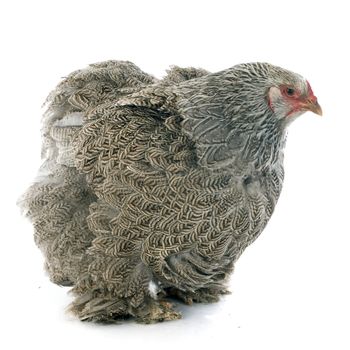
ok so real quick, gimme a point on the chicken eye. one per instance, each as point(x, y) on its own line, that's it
point(290, 91)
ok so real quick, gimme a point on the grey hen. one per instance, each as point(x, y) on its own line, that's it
point(153, 188)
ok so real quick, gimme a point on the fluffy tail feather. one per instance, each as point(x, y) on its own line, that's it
point(58, 201)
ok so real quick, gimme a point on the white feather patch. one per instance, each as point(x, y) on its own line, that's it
point(153, 289)
point(72, 119)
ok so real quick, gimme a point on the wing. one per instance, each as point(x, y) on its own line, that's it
point(156, 205)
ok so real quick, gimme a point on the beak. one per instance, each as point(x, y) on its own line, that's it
point(313, 106)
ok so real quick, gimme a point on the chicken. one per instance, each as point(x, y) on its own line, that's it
point(153, 188)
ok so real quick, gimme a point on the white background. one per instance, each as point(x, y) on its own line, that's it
point(290, 288)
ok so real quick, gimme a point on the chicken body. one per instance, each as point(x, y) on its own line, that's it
point(152, 188)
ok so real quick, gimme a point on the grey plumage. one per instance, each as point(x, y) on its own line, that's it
point(155, 187)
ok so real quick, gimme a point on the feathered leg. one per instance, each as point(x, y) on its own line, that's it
point(202, 295)
point(115, 284)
